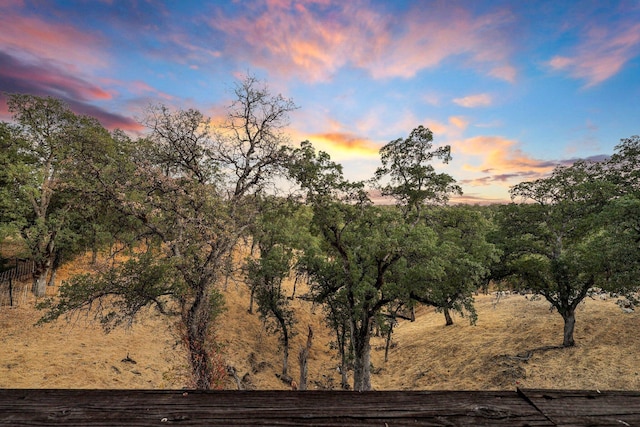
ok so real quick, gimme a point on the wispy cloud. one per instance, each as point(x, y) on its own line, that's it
point(473, 101)
point(602, 54)
point(459, 122)
point(315, 39)
point(498, 159)
point(31, 37)
point(47, 80)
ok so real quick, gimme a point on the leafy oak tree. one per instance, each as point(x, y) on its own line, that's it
point(620, 236)
point(44, 189)
point(463, 257)
point(553, 247)
point(408, 176)
point(354, 266)
point(190, 189)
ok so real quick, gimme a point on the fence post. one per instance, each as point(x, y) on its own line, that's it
point(10, 292)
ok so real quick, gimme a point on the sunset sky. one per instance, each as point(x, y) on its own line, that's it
point(515, 87)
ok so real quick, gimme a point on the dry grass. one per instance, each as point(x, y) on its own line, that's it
point(427, 355)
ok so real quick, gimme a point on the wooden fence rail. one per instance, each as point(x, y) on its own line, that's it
point(318, 408)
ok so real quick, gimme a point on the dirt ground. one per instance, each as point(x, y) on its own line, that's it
point(506, 349)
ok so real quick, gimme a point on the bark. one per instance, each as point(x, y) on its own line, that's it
point(285, 342)
point(196, 321)
point(302, 357)
point(569, 325)
point(285, 358)
point(340, 340)
point(52, 278)
point(251, 297)
point(362, 357)
point(388, 341)
point(40, 280)
point(447, 317)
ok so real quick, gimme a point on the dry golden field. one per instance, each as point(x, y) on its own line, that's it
point(427, 355)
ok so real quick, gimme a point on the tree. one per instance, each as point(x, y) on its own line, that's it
point(463, 256)
point(44, 188)
point(413, 181)
point(191, 190)
point(621, 218)
point(623, 167)
point(9, 160)
point(553, 248)
point(358, 247)
point(278, 234)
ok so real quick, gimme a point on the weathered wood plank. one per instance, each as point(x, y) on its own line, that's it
point(587, 408)
point(280, 408)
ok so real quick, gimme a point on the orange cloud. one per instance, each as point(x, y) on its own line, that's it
point(500, 160)
point(472, 101)
point(344, 145)
point(314, 39)
point(459, 122)
point(601, 55)
point(348, 142)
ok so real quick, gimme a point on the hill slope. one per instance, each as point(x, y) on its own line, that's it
point(507, 348)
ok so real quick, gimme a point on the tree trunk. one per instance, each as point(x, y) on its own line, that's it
point(94, 254)
point(285, 350)
point(285, 341)
point(295, 285)
point(302, 358)
point(11, 291)
point(39, 288)
point(52, 278)
point(569, 325)
point(196, 321)
point(362, 357)
point(253, 291)
point(388, 340)
point(340, 340)
point(447, 317)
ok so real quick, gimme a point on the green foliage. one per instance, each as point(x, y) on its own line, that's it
point(462, 255)
point(562, 246)
point(356, 266)
point(623, 168)
point(47, 183)
point(413, 181)
point(117, 295)
point(279, 234)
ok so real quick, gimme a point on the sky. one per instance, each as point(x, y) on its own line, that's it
point(514, 87)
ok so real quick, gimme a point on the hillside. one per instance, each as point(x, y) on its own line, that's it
point(494, 354)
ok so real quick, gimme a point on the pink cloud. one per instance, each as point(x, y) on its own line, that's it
point(472, 101)
point(139, 87)
point(29, 37)
point(500, 160)
point(44, 78)
point(47, 80)
point(602, 54)
point(315, 39)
